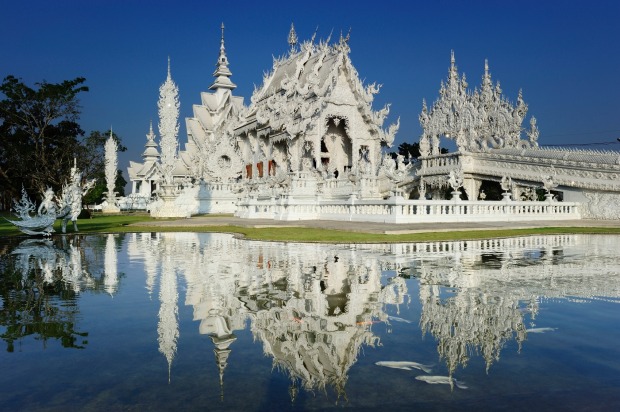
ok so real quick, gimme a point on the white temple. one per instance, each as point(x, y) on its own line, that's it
point(310, 146)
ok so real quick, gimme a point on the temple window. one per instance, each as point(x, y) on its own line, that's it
point(259, 166)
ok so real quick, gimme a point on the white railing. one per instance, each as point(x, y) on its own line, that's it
point(398, 210)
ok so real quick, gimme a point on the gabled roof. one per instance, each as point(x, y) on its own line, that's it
point(300, 85)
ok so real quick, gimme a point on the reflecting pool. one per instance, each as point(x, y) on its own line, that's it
point(184, 321)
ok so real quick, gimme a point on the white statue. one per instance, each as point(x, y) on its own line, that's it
point(40, 224)
point(506, 184)
point(70, 200)
point(549, 184)
point(455, 180)
point(67, 207)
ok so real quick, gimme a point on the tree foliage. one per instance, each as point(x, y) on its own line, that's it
point(40, 137)
point(39, 134)
point(411, 150)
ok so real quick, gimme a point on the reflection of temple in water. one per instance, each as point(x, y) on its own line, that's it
point(312, 306)
point(476, 295)
point(41, 280)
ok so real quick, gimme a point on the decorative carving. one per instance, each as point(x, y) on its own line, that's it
point(224, 162)
point(477, 121)
point(601, 206)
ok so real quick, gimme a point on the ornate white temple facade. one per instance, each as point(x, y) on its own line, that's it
point(310, 146)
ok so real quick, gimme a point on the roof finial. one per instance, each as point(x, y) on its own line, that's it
point(222, 73)
point(292, 38)
point(169, 75)
point(452, 61)
point(222, 43)
point(486, 67)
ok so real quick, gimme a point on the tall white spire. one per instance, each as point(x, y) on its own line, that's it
point(222, 73)
point(111, 166)
point(168, 105)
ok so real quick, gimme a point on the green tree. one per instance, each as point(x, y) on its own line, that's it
point(411, 150)
point(39, 134)
point(93, 165)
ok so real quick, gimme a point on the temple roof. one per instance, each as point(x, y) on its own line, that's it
point(300, 86)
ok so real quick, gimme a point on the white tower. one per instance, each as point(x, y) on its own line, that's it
point(111, 171)
point(168, 105)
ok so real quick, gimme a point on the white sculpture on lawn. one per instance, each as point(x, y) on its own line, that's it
point(66, 207)
point(70, 200)
point(40, 224)
point(111, 171)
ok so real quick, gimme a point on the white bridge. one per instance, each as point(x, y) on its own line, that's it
point(589, 177)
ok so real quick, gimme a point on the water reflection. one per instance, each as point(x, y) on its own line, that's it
point(478, 295)
point(312, 307)
point(40, 282)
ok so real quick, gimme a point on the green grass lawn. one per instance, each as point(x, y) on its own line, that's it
point(122, 224)
point(97, 224)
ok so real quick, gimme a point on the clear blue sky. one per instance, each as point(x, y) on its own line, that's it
point(565, 55)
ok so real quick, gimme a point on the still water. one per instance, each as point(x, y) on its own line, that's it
point(183, 321)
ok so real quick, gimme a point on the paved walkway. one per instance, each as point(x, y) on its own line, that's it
point(369, 227)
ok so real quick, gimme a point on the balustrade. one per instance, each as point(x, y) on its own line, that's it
point(409, 211)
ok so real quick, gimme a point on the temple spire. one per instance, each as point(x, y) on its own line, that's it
point(168, 107)
point(292, 38)
point(222, 72)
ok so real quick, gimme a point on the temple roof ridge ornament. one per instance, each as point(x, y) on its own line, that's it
point(292, 39)
point(222, 73)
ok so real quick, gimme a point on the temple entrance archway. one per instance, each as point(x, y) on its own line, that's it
point(336, 148)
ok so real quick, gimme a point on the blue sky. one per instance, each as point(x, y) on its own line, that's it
point(565, 55)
